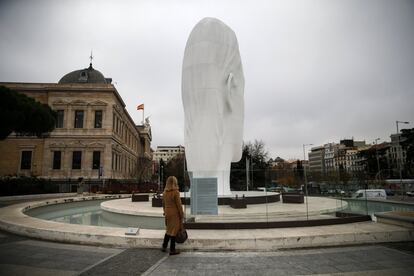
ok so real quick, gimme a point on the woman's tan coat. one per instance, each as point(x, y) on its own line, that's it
point(173, 211)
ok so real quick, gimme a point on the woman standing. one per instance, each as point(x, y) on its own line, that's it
point(173, 212)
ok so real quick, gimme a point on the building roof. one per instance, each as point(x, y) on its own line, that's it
point(170, 147)
point(87, 75)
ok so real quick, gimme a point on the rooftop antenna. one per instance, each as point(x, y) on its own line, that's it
point(91, 58)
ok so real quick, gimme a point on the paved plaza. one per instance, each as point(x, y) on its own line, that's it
point(23, 256)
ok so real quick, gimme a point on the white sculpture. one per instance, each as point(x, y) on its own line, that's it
point(212, 94)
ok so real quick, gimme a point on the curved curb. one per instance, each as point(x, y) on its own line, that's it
point(12, 219)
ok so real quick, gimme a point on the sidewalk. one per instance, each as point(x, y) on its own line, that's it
point(361, 260)
point(23, 256)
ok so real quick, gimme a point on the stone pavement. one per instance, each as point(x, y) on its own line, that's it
point(23, 256)
point(361, 260)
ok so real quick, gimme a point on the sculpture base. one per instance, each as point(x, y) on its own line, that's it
point(251, 197)
point(293, 198)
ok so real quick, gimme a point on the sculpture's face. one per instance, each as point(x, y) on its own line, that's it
point(213, 87)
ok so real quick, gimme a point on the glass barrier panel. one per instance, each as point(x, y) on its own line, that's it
point(271, 195)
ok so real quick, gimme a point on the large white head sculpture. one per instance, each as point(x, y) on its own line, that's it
point(212, 94)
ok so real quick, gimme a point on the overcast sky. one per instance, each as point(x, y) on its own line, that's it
point(315, 71)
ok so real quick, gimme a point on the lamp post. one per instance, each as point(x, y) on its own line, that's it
point(162, 177)
point(159, 175)
point(247, 173)
point(399, 153)
point(306, 180)
point(252, 173)
point(376, 154)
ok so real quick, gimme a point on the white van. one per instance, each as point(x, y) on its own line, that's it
point(370, 194)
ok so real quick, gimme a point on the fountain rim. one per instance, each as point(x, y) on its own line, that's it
point(14, 220)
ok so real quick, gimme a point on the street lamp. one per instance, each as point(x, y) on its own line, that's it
point(162, 177)
point(376, 153)
point(247, 172)
point(252, 172)
point(399, 152)
point(306, 180)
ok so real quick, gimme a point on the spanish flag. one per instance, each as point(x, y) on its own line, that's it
point(141, 106)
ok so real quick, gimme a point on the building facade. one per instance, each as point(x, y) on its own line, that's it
point(94, 138)
point(331, 150)
point(166, 153)
point(353, 161)
point(334, 157)
point(348, 157)
point(317, 159)
point(396, 154)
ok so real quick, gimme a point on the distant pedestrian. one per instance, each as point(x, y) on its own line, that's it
point(173, 212)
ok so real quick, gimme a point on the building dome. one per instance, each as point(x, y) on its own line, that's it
point(87, 75)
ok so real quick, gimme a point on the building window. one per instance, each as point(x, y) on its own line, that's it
point(78, 118)
point(98, 119)
point(76, 160)
point(96, 160)
point(57, 157)
point(26, 160)
point(59, 119)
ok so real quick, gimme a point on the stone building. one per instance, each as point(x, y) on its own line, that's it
point(166, 153)
point(396, 154)
point(95, 137)
point(331, 150)
point(348, 157)
point(316, 159)
point(334, 157)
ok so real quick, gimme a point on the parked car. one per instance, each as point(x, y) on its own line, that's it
point(410, 193)
point(370, 194)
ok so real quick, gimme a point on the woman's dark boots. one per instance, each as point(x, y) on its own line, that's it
point(165, 243)
point(172, 245)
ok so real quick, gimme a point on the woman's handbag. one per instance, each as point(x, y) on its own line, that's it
point(182, 236)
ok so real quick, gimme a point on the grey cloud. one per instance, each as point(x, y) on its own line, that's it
point(316, 71)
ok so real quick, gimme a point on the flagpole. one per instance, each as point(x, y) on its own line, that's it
point(141, 106)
